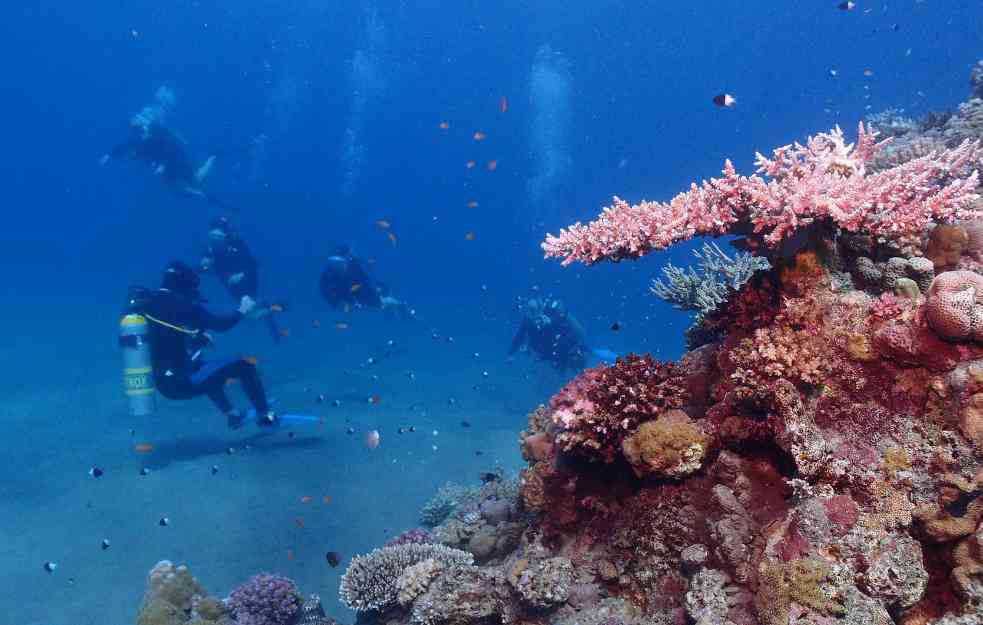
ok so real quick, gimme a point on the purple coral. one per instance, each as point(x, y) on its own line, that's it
point(265, 599)
point(416, 536)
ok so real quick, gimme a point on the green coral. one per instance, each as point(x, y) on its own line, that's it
point(805, 582)
point(160, 612)
point(670, 446)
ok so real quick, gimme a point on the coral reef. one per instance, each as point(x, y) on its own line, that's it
point(816, 458)
point(265, 599)
point(823, 182)
point(704, 289)
point(174, 597)
point(372, 581)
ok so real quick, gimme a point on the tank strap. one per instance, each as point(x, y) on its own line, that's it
point(172, 326)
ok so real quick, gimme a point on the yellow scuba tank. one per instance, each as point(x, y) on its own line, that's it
point(138, 378)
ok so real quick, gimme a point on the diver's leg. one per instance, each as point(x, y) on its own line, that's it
point(253, 387)
point(216, 393)
point(272, 328)
point(210, 379)
point(204, 170)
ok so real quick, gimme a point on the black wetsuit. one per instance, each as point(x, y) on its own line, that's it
point(559, 342)
point(345, 282)
point(159, 147)
point(176, 374)
point(230, 259)
point(235, 257)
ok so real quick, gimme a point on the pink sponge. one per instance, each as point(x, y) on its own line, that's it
point(954, 308)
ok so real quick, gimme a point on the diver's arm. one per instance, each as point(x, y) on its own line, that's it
point(205, 320)
point(120, 150)
point(520, 337)
point(580, 334)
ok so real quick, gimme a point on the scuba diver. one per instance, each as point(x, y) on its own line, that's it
point(548, 331)
point(346, 284)
point(177, 336)
point(152, 142)
point(165, 153)
point(229, 259)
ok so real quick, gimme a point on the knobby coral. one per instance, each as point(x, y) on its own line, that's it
point(265, 599)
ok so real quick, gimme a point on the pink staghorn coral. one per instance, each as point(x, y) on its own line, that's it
point(826, 179)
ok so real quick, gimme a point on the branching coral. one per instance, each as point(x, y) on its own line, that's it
point(372, 580)
point(823, 180)
point(705, 289)
point(805, 582)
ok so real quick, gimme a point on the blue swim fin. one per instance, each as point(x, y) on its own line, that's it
point(604, 354)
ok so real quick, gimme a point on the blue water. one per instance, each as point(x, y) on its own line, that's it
point(603, 97)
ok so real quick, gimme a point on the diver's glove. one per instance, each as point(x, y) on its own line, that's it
point(246, 306)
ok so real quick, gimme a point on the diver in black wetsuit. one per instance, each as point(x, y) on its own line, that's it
point(177, 334)
point(551, 333)
point(230, 260)
point(346, 284)
point(165, 153)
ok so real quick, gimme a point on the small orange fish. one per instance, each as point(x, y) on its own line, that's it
point(341, 325)
point(472, 204)
point(326, 500)
point(382, 223)
point(276, 308)
point(503, 104)
point(230, 381)
point(356, 286)
point(479, 136)
point(306, 499)
point(469, 236)
point(372, 439)
point(316, 323)
point(251, 360)
point(143, 448)
point(392, 238)
point(290, 554)
point(299, 522)
point(443, 125)
point(492, 165)
point(374, 399)
point(284, 332)
point(470, 164)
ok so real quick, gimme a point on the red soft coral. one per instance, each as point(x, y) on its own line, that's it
point(604, 405)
